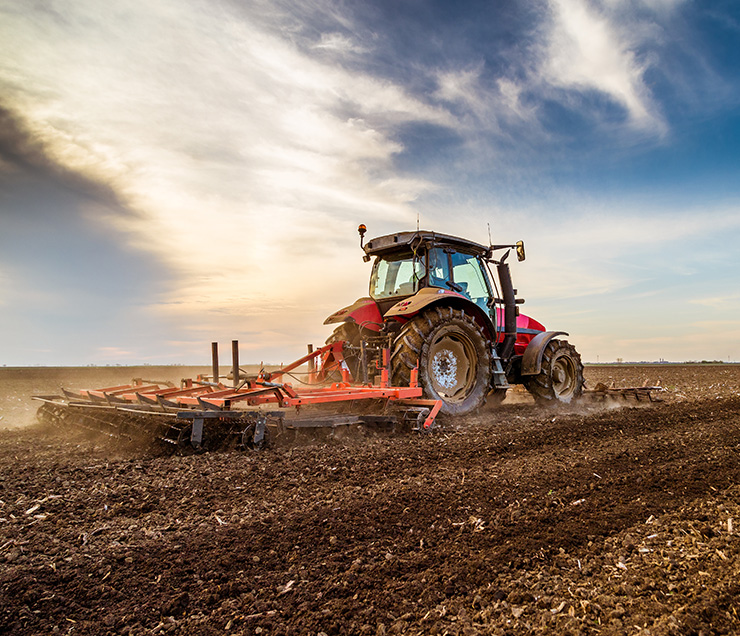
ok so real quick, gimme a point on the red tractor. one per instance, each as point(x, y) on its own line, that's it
point(435, 300)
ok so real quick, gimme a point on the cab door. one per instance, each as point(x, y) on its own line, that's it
point(469, 274)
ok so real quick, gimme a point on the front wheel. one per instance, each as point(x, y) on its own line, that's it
point(561, 377)
point(453, 357)
point(347, 332)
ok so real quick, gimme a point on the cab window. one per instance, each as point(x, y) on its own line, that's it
point(467, 273)
point(397, 276)
point(439, 268)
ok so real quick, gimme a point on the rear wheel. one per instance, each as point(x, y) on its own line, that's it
point(185, 444)
point(561, 377)
point(453, 357)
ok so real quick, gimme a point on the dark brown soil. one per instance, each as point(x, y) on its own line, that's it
point(516, 521)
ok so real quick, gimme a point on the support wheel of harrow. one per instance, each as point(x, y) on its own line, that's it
point(50, 415)
point(561, 377)
point(415, 418)
point(185, 445)
point(453, 357)
point(255, 436)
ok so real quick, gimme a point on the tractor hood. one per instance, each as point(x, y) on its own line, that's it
point(364, 311)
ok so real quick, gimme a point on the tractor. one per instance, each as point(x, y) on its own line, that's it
point(439, 333)
point(435, 304)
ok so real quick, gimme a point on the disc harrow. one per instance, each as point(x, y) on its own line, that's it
point(602, 393)
point(205, 414)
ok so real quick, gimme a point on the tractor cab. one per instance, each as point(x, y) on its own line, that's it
point(409, 262)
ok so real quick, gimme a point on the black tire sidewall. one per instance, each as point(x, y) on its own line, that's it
point(477, 395)
point(541, 385)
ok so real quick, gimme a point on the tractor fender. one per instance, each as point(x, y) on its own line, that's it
point(430, 296)
point(364, 311)
point(532, 359)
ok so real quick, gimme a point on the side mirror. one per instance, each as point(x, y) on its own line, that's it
point(520, 251)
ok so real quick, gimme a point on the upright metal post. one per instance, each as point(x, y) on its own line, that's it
point(235, 361)
point(384, 375)
point(214, 358)
point(311, 366)
point(363, 362)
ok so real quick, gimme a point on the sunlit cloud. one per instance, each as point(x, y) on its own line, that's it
point(236, 146)
point(231, 158)
point(590, 49)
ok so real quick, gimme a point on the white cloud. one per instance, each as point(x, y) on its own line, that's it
point(484, 107)
point(592, 49)
point(338, 42)
point(584, 50)
point(237, 151)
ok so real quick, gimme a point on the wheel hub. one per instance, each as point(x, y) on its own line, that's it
point(451, 367)
point(444, 368)
point(563, 377)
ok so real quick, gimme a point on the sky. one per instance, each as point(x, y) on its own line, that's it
point(177, 172)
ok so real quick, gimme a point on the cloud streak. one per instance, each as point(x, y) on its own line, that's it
point(223, 140)
point(590, 58)
point(239, 144)
point(590, 48)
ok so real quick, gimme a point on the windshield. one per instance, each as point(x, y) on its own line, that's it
point(396, 276)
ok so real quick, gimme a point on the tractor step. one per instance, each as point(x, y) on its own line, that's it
point(499, 375)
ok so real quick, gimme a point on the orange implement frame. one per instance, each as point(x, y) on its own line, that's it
point(328, 361)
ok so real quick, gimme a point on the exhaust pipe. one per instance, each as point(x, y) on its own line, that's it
point(235, 361)
point(506, 347)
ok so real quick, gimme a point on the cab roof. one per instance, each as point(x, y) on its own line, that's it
point(409, 240)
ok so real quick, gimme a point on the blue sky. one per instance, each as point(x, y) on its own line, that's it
point(177, 172)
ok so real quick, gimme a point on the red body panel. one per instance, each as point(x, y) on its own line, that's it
point(364, 312)
point(526, 329)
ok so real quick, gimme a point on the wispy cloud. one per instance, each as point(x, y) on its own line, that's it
point(241, 143)
point(230, 147)
point(339, 42)
point(591, 58)
point(595, 47)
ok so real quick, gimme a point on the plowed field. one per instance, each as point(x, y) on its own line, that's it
point(518, 520)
